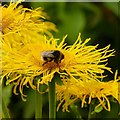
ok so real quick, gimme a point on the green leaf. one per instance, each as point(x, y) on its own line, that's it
point(98, 109)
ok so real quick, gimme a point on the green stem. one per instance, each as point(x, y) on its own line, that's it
point(5, 110)
point(38, 104)
point(91, 113)
point(90, 110)
point(52, 100)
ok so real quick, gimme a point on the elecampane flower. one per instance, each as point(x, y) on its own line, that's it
point(72, 90)
point(38, 58)
point(16, 18)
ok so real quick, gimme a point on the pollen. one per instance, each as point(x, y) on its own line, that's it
point(51, 65)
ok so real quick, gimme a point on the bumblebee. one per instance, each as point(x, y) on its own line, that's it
point(52, 55)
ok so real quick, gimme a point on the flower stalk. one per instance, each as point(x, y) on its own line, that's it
point(91, 113)
point(38, 104)
point(52, 99)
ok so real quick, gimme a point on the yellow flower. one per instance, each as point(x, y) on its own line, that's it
point(16, 18)
point(72, 90)
point(38, 59)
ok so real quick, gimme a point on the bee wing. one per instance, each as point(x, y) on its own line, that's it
point(47, 54)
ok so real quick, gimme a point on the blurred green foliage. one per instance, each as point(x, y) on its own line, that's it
point(100, 22)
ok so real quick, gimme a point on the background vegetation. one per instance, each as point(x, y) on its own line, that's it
point(100, 22)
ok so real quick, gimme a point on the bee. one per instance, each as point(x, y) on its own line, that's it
point(52, 55)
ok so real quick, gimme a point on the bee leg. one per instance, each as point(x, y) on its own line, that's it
point(44, 63)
